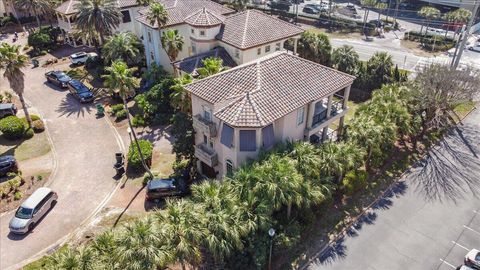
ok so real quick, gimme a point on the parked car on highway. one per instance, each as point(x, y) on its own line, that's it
point(310, 10)
point(58, 77)
point(474, 47)
point(80, 91)
point(279, 5)
point(167, 187)
point(7, 109)
point(472, 259)
point(8, 164)
point(32, 210)
point(81, 57)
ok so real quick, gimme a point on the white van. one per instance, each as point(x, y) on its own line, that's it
point(32, 210)
point(81, 57)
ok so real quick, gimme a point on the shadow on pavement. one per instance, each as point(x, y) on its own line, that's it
point(71, 106)
point(67, 50)
point(448, 170)
point(332, 253)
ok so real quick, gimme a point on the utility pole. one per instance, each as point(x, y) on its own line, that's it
point(457, 45)
point(465, 34)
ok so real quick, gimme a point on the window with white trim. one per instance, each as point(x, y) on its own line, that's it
point(267, 48)
point(192, 31)
point(300, 115)
point(202, 33)
point(237, 53)
point(152, 56)
point(207, 113)
point(277, 46)
point(259, 51)
point(229, 167)
point(149, 37)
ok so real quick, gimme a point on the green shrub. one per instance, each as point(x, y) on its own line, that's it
point(38, 126)
point(134, 161)
point(146, 178)
point(120, 115)
point(28, 133)
point(34, 117)
point(40, 40)
point(354, 181)
point(17, 196)
point(4, 190)
point(115, 108)
point(138, 121)
point(12, 127)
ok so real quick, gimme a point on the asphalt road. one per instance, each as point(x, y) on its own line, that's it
point(428, 221)
point(84, 147)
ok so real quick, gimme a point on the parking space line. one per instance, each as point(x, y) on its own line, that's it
point(467, 249)
point(468, 228)
point(447, 263)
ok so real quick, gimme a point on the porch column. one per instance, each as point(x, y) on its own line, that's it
point(329, 106)
point(346, 94)
point(295, 43)
point(74, 42)
point(310, 111)
point(324, 133)
point(340, 128)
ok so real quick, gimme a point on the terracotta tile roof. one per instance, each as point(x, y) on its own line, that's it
point(204, 17)
point(179, 10)
point(258, 93)
point(68, 7)
point(252, 28)
point(191, 63)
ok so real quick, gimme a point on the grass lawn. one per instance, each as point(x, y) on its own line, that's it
point(463, 109)
point(340, 35)
point(352, 108)
point(26, 149)
point(40, 263)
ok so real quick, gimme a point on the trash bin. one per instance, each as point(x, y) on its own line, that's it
point(35, 63)
point(100, 110)
point(119, 157)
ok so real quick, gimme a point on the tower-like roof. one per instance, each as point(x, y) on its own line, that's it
point(204, 18)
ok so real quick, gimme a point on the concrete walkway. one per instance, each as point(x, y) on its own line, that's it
point(84, 149)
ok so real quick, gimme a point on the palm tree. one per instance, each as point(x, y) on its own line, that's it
point(306, 155)
point(180, 228)
point(367, 4)
point(180, 98)
point(459, 16)
point(397, 6)
point(224, 223)
point(36, 6)
point(338, 158)
point(157, 14)
point(380, 7)
point(140, 246)
point(105, 248)
point(346, 59)
point(429, 13)
point(211, 66)
point(121, 79)
point(315, 47)
point(240, 5)
point(172, 43)
point(100, 15)
point(380, 66)
point(72, 259)
point(12, 61)
point(125, 46)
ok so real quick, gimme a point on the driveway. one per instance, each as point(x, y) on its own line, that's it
point(84, 148)
point(429, 220)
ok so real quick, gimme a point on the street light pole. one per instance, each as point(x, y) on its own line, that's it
point(465, 34)
point(271, 233)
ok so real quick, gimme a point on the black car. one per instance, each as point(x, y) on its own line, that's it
point(7, 109)
point(7, 164)
point(280, 5)
point(58, 77)
point(80, 91)
point(167, 187)
point(310, 10)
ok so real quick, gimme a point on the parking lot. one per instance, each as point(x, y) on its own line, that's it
point(468, 238)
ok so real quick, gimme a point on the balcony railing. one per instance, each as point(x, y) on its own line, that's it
point(319, 118)
point(206, 154)
point(203, 125)
point(337, 107)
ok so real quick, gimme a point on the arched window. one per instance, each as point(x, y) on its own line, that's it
point(229, 167)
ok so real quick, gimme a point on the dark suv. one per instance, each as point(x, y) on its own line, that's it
point(80, 91)
point(167, 187)
point(7, 164)
point(7, 109)
point(58, 77)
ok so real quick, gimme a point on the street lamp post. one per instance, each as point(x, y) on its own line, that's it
point(271, 233)
point(129, 131)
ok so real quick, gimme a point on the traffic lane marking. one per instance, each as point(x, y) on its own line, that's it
point(457, 244)
point(448, 264)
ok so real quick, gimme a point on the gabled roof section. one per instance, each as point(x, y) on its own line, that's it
point(68, 7)
point(190, 64)
point(258, 93)
point(179, 10)
point(251, 28)
point(204, 18)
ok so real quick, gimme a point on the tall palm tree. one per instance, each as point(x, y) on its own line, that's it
point(346, 59)
point(306, 155)
point(157, 14)
point(101, 15)
point(121, 79)
point(36, 6)
point(429, 13)
point(380, 66)
point(12, 61)
point(367, 4)
point(140, 246)
point(125, 46)
point(211, 66)
point(459, 16)
point(172, 43)
point(180, 228)
point(397, 6)
point(338, 158)
point(180, 98)
point(380, 7)
point(315, 47)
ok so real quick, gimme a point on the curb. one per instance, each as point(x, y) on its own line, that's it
point(342, 233)
point(64, 239)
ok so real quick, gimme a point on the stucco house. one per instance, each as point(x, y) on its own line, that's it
point(209, 28)
point(253, 106)
point(66, 20)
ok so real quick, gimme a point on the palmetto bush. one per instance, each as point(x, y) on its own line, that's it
point(12, 127)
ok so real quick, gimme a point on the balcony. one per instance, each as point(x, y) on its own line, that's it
point(319, 118)
point(201, 124)
point(206, 155)
point(337, 107)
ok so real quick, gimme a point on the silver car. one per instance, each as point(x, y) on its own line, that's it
point(32, 210)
